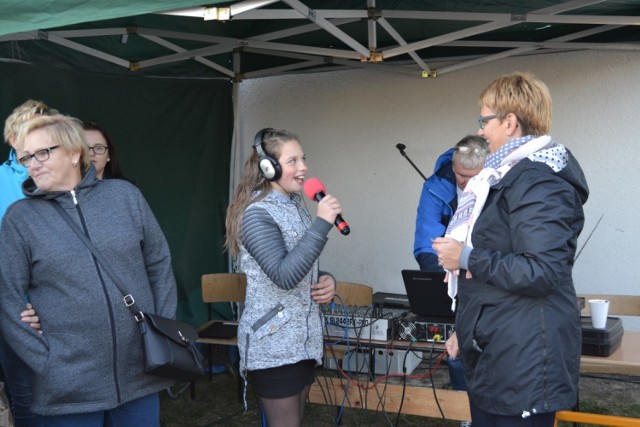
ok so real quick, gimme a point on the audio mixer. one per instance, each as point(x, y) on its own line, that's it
point(362, 323)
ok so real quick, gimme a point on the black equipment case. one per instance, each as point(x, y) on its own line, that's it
point(387, 300)
point(601, 342)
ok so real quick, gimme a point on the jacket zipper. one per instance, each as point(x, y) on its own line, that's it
point(109, 307)
point(277, 310)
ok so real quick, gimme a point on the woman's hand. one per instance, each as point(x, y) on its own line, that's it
point(29, 316)
point(452, 346)
point(323, 291)
point(449, 251)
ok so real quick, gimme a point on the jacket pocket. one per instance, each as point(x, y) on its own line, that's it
point(73, 371)
point(271, 321)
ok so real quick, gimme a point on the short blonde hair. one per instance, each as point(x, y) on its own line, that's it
point(21, 114)
point(523, 95)
point(63, 130)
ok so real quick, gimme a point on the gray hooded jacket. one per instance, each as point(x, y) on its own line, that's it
point(90, 356)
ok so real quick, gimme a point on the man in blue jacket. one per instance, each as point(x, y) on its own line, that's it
point(439, 197)
point(438, 201)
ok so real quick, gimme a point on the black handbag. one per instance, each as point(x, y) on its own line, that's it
point(168, 344)
point(169, 348)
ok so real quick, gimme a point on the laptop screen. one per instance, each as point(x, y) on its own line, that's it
point(427, 293)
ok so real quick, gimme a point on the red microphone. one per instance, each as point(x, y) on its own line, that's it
point(314, 189)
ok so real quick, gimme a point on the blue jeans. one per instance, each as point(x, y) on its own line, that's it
point(18, 383)
point(456, 374)
point(143, 412)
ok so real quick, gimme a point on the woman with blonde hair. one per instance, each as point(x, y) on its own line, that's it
point(509, 250)
point(88, 367)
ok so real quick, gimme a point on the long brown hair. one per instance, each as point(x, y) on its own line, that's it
point(112, 168)
point(253, 186)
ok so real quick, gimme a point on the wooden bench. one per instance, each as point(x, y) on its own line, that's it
point(597, 419)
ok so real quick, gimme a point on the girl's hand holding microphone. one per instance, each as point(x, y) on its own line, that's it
point(329, 208)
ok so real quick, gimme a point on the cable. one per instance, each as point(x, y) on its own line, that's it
point(404, 383)
point(346, 338)
point(353, 326)
point(433, 384)
point(361, 367)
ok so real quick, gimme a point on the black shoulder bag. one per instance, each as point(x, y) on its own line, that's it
point(168, 344)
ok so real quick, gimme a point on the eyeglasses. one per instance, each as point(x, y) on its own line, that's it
point(477, 150)
point(483, 120)
point(40, 155)
point(98, 149)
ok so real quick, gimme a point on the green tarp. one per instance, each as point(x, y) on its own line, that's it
point(27, 15)
point(173, 138)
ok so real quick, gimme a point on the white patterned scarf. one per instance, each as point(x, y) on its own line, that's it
point(540, 149)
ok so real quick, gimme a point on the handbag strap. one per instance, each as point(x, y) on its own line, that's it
point(129, 301)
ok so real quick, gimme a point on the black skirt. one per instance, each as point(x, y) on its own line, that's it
point(283, 381)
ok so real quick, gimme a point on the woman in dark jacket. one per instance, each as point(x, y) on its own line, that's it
point(509, 250)
point(88, 365)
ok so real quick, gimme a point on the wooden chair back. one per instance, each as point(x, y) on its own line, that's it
point(620, 305)
point(354, 294)
point(224, 287)
point(219, 288)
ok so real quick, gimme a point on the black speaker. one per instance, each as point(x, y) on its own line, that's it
point(269, 167)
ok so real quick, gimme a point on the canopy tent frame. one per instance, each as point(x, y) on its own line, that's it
point(304, 57)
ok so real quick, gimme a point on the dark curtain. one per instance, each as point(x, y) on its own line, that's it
point(173, 138)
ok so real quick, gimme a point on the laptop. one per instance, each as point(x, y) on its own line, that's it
point(427, 294)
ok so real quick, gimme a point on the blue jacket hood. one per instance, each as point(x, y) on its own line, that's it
point(12, 175)
point(443, 161)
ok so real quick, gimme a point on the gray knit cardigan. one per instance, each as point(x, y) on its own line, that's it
point(279, 254)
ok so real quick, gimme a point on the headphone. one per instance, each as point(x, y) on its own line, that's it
point(269, 167)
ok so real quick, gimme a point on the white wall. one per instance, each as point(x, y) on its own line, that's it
point(349, 123)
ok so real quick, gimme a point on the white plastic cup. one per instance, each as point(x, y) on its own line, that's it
point(599, 311)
